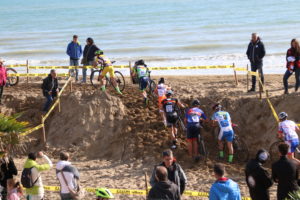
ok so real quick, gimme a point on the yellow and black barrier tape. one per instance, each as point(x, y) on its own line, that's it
point(16, 65)
point(192, 67)
point(134, 192)
point(73, 67)
point(32, 130)
point(240, 69)
point(35, 75)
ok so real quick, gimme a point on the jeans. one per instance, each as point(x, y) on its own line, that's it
point(66, 196)
point(254, 68)
point(1, 92)
point(286, 76)
point(49, 100)
point(297, 76)
point(90, 63)
point(74, 62)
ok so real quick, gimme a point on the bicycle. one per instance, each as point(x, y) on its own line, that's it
point(11, 80)
point(274, 152)
point(96, 82)
point(241, 150)
point(151, 87)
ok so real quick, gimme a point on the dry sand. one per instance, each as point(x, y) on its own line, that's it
point(113, 140)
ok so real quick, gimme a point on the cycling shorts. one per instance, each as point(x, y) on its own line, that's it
point(143, 83)
point(171, 119)
point(110, 70)
point(293, 144)
point(193, 130)
point(226, 135)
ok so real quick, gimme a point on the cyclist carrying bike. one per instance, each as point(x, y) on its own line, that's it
point(193, 118)
point(141, 71)
point(226, 131)
point(287, 131)
point(161, 90)
point(105, 62)
point(169, 105)
point(103, 193)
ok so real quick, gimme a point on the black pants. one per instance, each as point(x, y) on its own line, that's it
point(1, 92)
point(297, 76)
point(254, 68)
point(286, 76)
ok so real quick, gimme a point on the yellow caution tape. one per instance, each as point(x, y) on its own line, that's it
point(273, 110)
point(35, 75)
point(240, 69)
point(72, 67)
point(32, 130)
point(253, 73)
point(192, 67)
point(12, 66)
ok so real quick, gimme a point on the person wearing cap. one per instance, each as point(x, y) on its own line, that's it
point(170, 105)
point(175, 172)
point(74, 51)
point(226, 131)
point(50, 89)
point(3, 77)
point(257, 177)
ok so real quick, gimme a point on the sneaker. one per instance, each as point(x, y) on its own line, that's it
point(174, 146)
point(197, 159)
point(251, 90)
point(286, 92)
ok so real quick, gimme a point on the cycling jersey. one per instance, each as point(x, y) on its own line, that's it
point(194, 115)
point(103, 60)
point(169, 105)
point(141, 71)
point(288, 129)
point(161, 90)
point(223, 119)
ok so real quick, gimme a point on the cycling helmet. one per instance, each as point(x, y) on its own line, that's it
point(140, 62)
point(99, 52)
point(161, 80)
point(104, 193)
point(217, 106)
point(283, 115)
point(169, 92)
point(196, 102)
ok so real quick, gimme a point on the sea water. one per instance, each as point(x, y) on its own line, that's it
point(162, 32)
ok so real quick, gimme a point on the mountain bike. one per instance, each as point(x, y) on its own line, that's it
point(151, 87)
point(241, 150)
point(12, 79)
point(201, 146)
point(96, 82)
point(274, 152)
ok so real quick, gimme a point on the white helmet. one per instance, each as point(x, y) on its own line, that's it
point(282, 115)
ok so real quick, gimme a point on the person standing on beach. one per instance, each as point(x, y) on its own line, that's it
point(88, 56)
point(255, 53)
point(74, 51)
point(50, 89)
point(3, 76)
point(292, 65)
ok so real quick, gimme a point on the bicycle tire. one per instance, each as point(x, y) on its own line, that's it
point(241, 151)
point(152, 86)
point(12, 80)
point(180, 126)
point(201, 147)
point(273, 151)
point(94, 78)
point(119, 79)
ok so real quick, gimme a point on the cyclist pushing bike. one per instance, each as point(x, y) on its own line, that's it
point(287, 131)
point(161, 90)
point(226, 131)
point(105, 62)
point(103, 193)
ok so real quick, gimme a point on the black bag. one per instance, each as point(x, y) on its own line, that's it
point(26, 178)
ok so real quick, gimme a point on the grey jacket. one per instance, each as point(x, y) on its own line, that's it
point(174, 171)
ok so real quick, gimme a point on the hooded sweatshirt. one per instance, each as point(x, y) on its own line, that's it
point(38, 188)
point(164, 190)
point(71, 174)
point(225, 189)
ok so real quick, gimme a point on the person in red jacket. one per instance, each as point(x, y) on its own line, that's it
point(3, 76)
point(293, 65)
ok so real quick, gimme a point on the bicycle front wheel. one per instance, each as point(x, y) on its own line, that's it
point(273, 151)
point(12, 79)
point(120, 80)
point(201, 147)
point(94, 78)
point(241, 151)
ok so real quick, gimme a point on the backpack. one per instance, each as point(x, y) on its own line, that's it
point(26, 178)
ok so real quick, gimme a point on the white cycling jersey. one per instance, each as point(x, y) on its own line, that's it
point(288, 129)
point(161, 90)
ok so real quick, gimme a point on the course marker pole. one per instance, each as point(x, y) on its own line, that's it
point(44, 131)
point(247, 78)
point(235, 77)
point(260, 86)
point(146, 184)
point(130, 72)
point(27, 66)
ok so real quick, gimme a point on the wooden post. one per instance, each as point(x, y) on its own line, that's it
point(44, 130)
point(146, 184)
point(260, 86)
point(71, 86)
point(130, 72)
point(247, 77)
point(59, 109)
point(235, 76)
point(27, 71)
point(267, 93)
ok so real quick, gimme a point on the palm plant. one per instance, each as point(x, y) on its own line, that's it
point(294, 196)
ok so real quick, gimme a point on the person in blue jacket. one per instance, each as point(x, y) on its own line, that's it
point(74, 51)
point(223, 188)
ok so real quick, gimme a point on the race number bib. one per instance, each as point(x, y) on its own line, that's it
point(195, 118)
point(169, 108)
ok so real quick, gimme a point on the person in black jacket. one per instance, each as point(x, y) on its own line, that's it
point(88, 56)
point(285, 173)
point(7, 171)
point(175, 172)
point(257, 178)
point(163, 189)
point(50, 89)
point(256, 52)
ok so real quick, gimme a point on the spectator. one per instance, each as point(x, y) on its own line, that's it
point(36, 192)
point(256, 52)
point(88, 56)
point(223, 188)
point(3, 76)
point(68, 177)
point(257, 178)
point(292, 65)
point(285, 173)
point(175, 172)
point(74, 51)
point(163, 188)
point(14, 189)
point(50, 89)
point(7, 171)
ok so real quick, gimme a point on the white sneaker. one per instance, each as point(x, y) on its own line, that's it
point(173, 146)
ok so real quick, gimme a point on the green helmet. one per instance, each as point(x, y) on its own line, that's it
point(104, 193)
point(99, 52)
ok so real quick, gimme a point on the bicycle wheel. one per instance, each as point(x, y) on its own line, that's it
point(120, 80)
point(273, 151)
point(180, 126)
point(241, 151)
point(94, 78)
point(201, 147)
point(12, 80)
point(152, 86)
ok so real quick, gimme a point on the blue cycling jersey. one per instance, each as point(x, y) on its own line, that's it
point(223, 118)
point(194, 115)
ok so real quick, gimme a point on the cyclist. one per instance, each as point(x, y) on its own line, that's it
point(287, 131)
point(141, 71)
point(161, 90)
point(104, 61)
point(169, 105)
point(193, 118)
point(103, 193)
point(226, 131)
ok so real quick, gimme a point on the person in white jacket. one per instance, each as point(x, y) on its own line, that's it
point(68, 177)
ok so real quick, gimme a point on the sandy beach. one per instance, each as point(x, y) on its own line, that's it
point(114, 139)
